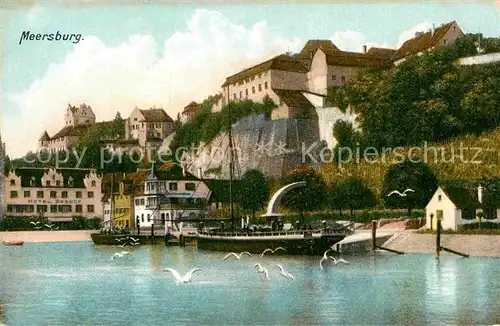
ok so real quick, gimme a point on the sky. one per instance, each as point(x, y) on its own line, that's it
point(167, 54)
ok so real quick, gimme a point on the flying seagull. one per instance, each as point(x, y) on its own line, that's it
point(262, 270)
point(400, 194)
point(284, 273)
point(119, 254)
point(181, 279)
point(236, 255)
point(340, 260)
point(272, 251)
point(325, 258)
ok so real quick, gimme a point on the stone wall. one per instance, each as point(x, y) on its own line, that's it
point(274, 147)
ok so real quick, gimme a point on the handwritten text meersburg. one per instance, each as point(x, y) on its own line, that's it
point(28, 36)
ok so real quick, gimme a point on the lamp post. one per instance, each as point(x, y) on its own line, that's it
point(431, 216)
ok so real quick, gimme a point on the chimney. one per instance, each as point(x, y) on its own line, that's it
point(364, 49)
point(480, 194)
point(199, 173)
point(433, 29)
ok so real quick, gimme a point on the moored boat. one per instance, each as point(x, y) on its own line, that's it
point(13, 243)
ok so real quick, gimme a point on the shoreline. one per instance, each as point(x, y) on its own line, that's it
point(47, 236)
point(474, 245)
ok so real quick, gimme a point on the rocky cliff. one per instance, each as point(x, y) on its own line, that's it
point(274, 147)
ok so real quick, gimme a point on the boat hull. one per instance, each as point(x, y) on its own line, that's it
point(13, 243)
point(295, 246)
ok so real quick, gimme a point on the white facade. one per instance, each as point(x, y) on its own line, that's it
point(452, 216)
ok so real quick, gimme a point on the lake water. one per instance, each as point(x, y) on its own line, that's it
point(78, 284)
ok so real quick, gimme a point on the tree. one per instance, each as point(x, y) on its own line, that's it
point(254, 191)
point(356, 195)
point(7, 165)
point(408, 175)
point(308, 198)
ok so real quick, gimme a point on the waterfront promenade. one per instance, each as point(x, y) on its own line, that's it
point(47, 236)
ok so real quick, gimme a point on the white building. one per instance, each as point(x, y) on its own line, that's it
point(458, 206)
point(169, 195)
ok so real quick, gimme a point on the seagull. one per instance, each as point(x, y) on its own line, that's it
point(340, 260)
point(236, 255)
point(284, 273)
point(134, 239)
point(48, 226)
point(123, 245)
point(273, 251)
point(120, 254)
point(325, 257)
point(400, 194)
point(185, 279)
point(121, 239)
point(262, 270)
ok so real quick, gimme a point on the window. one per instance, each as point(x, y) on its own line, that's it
point(90, 194)
point(93, 183)
point(334, 77)
point(41, 208)
point(39, 194)
point(265, 85)
point(253, 78)
point(246, 92)
point(234, 96)
point(12, 182)
point(64, 194)
point(241, 94)
point(260, 75)
point(444, 41)
point(64, 208)
point(142, 202)
point(172, 186)
point(27, 194)
point(78, 194)
point(47, 183)
point(190, 186)
point(260, 87)
point(58, 183)
point(78, 208)
point(13, 194)
point(163, 218)
point(149, 218)
point(142, 217)
point(342, 79)
point(469, 213)
point(53, 177)
point(53, 208)
point(90, 208)
point(253, 89)
point(439, 197)
point(52, 194)
point(137, 202)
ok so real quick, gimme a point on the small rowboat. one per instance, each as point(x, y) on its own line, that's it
point(13, 243)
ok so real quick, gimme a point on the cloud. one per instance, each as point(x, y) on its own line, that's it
point(354, 41)
point(141, 71)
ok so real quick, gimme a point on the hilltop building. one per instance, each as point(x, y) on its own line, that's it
point(58, 194)
point(189, 112)
point(444, 35)
point(2, 162)
point(76, 122)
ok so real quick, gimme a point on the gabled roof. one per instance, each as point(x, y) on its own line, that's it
point(422, 42)
point(354, 59)
point(26, 175)
point(173, 171)
point(460, 196)
point(156, 115)
point(293, 98)
point(191, 107)
point(280, 62)
point(382, 53)
point(45, 136)
point(313, 45)
point(76, 131)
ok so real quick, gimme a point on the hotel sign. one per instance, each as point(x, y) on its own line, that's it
point(54, 201)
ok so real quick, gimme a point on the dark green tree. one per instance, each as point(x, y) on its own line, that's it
point(253, 191)
point(308, 198)
point(356, 195)
point(408, 175)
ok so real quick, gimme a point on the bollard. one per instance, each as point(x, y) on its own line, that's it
point(438, 237)
point(374, 237)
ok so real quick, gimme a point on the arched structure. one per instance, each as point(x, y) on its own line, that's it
point(274, 203)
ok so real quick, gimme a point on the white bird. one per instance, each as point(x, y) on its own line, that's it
point(181, 279)
point(48, 226)
point(119, 254)
point(262, 270)
point(272, 251)
point(123, 245)
point(325, 258)
point(35, 223)
point(400, 194)
point(236, 255)
point(284, 273)
point(134, 239)
point(121, 239)
point(340, 260)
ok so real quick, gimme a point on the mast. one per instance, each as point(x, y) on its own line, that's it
point(230, 163)
point(111, 206)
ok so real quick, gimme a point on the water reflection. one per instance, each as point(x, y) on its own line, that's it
point(77, 283)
